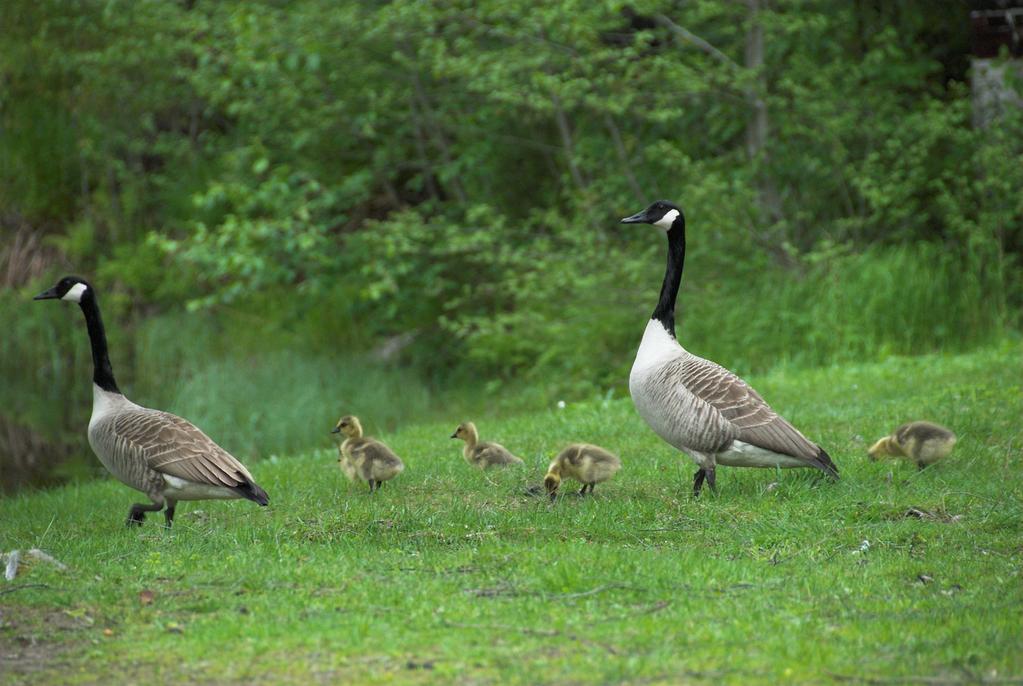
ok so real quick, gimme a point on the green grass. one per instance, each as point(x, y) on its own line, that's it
point(449, 575)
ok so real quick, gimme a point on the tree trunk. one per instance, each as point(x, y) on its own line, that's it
point(758, 126)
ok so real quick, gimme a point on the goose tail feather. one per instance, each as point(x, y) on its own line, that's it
point(824, 463)
point(254, 493)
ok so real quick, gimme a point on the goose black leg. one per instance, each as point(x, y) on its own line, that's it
point(169, 512)
point(138, 512)
point(582, 491)
point(920, 466)
point(698, 478)
point(711, 478)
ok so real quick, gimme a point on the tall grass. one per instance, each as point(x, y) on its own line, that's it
point(905, 300)
point(284, 403)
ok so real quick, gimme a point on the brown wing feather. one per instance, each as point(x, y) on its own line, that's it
point(743, 407)
point(375, 450)
point(174, 446)
point(495, 453)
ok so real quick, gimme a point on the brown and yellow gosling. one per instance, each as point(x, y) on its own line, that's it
point(588, 464)
point(363, 457)
point(922, 442)
point(483, 454)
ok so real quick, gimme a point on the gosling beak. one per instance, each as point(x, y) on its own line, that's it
point(454, 435)
point(48, 294)
point(554, 496)
point(336, 430)
point(638, 218)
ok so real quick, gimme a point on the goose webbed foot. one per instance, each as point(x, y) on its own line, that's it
point(138, 511)
point(135, 517)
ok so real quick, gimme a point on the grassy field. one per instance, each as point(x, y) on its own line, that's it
point(449, 575)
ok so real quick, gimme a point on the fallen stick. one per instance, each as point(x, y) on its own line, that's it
point(12, 589)
point(534, 632)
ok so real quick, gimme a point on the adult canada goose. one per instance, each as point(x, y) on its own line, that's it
point(365, 457)
point(588, 464)
point(922, 442)
point(164, 456)
point(483, 454)
point(696, 405)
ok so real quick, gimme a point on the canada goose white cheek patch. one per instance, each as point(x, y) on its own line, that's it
point(74, 293)
point(667, 220)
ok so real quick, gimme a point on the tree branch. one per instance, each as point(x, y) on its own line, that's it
point(566, 140)
point(690, 37)
point(442, 142)
point(623, 157)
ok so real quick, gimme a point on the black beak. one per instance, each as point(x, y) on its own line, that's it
point(336, 430)
point(49, 294)
point(638, 218)
point(454, 435)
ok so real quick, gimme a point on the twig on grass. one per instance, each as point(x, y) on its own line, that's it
point(884, 681)
point(534, 632)
point(646, 610)
point(511, 591)
point(12, 589)
point(672, 677)
point(592, 591)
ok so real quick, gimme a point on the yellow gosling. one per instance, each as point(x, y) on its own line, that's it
point(363, 457)
point(588, 464)
point(483, 454)
point(922, 442)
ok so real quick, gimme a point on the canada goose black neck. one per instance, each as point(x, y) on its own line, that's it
point(102, 371)
point(665, 310)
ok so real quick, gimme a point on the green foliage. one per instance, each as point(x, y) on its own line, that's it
point(637, 584)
